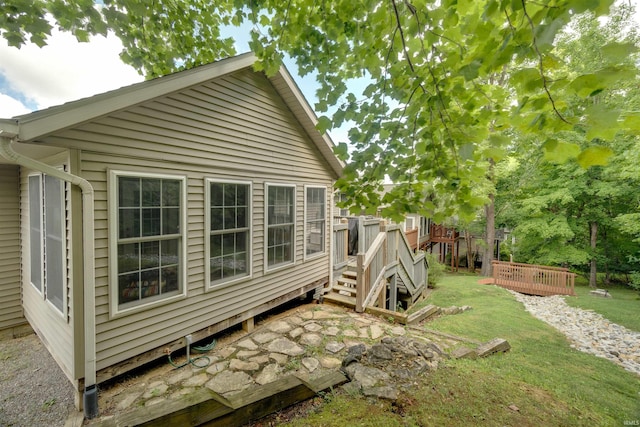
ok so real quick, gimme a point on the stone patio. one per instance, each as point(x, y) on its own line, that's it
point(307, 341)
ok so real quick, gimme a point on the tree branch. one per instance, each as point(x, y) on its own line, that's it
point(540, 65)
point(404, 44)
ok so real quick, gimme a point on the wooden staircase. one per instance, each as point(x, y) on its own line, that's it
point(386, 273)
point(344, 291)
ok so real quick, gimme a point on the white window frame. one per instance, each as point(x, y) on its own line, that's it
point(114, 240)
point(306, 223)
point(208, 232)
point(42, 222)
point(409, 223)
point(267, 267)
point(424, 226)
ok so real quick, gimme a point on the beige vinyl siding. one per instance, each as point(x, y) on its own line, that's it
point(10, 298)
point(52, 326)
point(236, 128)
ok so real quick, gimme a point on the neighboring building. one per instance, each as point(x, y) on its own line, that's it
point(180, 205)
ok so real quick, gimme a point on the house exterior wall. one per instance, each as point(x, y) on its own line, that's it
point(54, 327)
point(236, 128)
point(10, 295)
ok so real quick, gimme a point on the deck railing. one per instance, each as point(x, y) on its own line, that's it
point(412, 267)
point(383, 251)
point(390, 253)
point(340, 244)
point(371, 269)
point(533, 279)
point(412, 238)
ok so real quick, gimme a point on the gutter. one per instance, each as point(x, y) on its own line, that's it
point(90, 395)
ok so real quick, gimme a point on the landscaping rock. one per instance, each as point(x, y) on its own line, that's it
point(269, 374)
point(588, 331)
point(313, 340)
point(496, 345)
point(365, 375)
point(285, 346)
point(247, 344)
point(241, 365)
point(280, 327)
point(334, 347)
point(266, 337)
point(228, 382)
point(380, 352)
point(310, 363)
point(600, 293)
point(385, 392)
point(464, 353)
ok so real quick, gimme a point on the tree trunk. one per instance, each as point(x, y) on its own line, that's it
point(594, 240)
point(490, 236)
point(470, 255)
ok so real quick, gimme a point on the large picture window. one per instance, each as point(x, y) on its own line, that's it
point(315, 220)
point(47, 238)
point(280, 222)
point(150, 236)
point(228, 230)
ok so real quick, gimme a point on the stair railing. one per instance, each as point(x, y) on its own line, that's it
point(390, 248)
point(414, 266)
point(372, 266)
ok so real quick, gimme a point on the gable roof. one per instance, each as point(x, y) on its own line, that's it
point(33, 126)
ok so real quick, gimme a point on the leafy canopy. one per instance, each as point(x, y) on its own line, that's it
point(449, 78)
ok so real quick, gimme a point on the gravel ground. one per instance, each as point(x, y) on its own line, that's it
point(27, 396)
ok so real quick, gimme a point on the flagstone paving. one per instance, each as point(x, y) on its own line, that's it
point(307, 341)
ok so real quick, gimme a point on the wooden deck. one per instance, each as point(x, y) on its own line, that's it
point(532, 279)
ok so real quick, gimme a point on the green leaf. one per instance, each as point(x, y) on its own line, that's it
point(342, 151)
point(616, 52)
point(595, 156)
point(527, 78)
point(587, 84)
point(559, 152)
point(470, 71)
point(631, 122)
point(545, 34)
point(601, 122)
point(324, 124)
point(495, 153)
point(466, 151)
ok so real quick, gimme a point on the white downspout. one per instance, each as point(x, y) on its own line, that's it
point(90, 399)
point(331, 240)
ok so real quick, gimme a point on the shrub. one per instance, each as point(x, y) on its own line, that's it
point(436, 269)
point(634, 282)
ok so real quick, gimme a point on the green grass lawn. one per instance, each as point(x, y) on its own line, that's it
point(623, 308)
point(548, 382)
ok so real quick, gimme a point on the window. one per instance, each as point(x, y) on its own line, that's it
point(339, 199)
point(229, 231)
point(280, 224)
point(315, 220)
point(424, 226)
point(149, 235)
point(47, 238)
point(409, 223)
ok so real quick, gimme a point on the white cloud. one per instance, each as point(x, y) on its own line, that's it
point(10, 107)
point(62, 71)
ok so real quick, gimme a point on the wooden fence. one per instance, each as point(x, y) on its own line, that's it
point(533, 279)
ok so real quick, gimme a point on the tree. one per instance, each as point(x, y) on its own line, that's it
point(432, 119)
point(566, 214)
